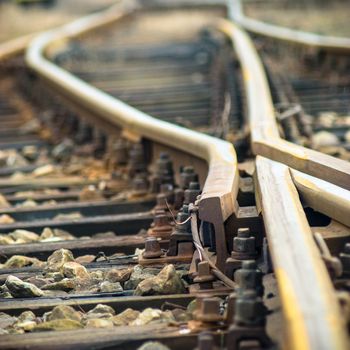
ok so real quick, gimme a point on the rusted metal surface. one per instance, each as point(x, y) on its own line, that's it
point(314, 319)
point(205, 230)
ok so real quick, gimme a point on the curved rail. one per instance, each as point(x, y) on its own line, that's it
point(289, 229)
point(220, 190)
point(333, 43)
point(14, 47)
point(313, 322)
point(265, 138)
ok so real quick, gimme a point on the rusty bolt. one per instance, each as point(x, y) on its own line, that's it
point(243, 245)
point(208, 310)
point(205, 341)
point(183, 226)
point(140, 185)
point(187, 176)
point(164, 168)
point(204, 276)
point(249, 309)
point(152, 248)
point(249, 277)
point(161, 227)
point(191, 193)
point(161, 202)
point(163, 173)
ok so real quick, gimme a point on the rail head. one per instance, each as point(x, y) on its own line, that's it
point(313, 319)
point(265, 138)
point(221, 185)
point(326, 42)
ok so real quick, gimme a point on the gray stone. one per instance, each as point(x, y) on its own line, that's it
point(3, 202)
point(181, 315)
point(324, 139)
point(18, 261)
point(66, 285)
point(55, 293)
point(6, 219)
point(64, 312)
point(99, 323)
point(63, 234)
point(27, 326)
point(20, 289)
point(26, 316)
point(153, 345)
point(101, 309)
point(58, 325)
point(57, 259)
point(125, 317)
point(72, 269)
point(118, 275)
point(166, 282)
point(6, 239)
point(6, 320)
point(138, 275)
point(85, 259)
point(150, 315)
point(37, 281)
point(24, 236)
point(109, 287)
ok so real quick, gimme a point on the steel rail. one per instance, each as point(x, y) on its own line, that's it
point(322, 196)
point(313, 322)
point(309, 303)
point(15, 46)
point(330, 43)
point(265, 138)
point(221, 186)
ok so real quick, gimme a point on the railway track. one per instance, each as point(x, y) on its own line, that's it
point(143, 143)
point(310, 90)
